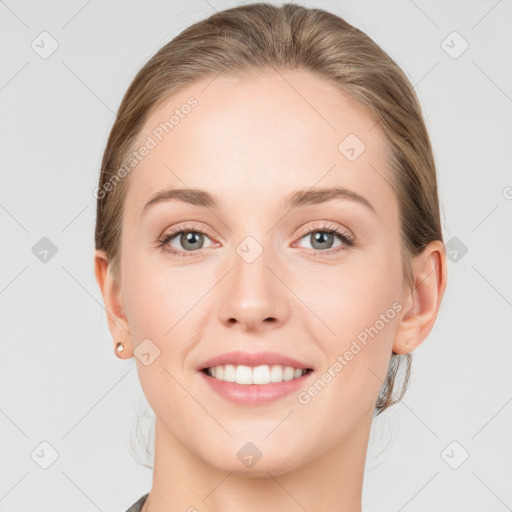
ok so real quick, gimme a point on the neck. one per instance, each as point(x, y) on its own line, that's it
point(330, 481)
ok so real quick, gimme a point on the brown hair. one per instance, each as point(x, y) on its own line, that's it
point(263, 36)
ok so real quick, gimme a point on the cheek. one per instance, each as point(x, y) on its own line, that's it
point(348, 298)
point(360, 306)
point(162, 305)
point(165, 303)
point(151, 290)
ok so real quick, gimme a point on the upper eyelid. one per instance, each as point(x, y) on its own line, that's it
point(186, 228)
point(324, 225)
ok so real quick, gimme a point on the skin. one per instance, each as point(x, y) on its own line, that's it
point(250, 142)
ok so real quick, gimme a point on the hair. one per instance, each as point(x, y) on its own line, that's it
point(259, 37)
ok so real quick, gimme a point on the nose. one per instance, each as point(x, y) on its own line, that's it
point(253, 297)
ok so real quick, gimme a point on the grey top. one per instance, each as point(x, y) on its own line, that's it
point(137, 506)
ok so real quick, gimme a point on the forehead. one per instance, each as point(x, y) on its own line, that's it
point(258, 136)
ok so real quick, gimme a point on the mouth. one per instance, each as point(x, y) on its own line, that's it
point(255, 375)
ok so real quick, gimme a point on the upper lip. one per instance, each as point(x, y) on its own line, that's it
point(238, 357)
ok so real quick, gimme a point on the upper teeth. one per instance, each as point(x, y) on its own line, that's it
point(263, 374)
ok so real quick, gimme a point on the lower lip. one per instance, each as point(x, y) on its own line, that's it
point(255, 394)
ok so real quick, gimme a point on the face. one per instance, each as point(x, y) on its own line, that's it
point(262, 268)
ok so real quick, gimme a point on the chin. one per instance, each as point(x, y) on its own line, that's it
point(256, 460)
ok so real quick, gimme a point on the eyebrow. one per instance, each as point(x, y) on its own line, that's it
point(296, 199)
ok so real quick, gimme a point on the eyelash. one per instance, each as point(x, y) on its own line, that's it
point(347, 239)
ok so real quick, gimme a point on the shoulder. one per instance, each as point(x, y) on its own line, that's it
point(137, 506)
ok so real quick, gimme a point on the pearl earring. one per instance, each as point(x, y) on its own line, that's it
point(119, 346)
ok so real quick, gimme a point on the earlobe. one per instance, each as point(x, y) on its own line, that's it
point(116, 317)
point(424, 300)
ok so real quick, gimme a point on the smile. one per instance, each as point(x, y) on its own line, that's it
point(262, 374)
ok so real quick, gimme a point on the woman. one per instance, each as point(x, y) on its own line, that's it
point(269, 249)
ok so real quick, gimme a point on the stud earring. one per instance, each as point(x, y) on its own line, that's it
point(119, 346)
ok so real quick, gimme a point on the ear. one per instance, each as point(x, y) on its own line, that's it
point(117, 320)
point(423, 301)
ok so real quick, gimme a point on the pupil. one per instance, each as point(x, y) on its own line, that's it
point(188, 239)
point(321, 236)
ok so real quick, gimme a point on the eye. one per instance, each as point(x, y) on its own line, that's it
point(187, 238)
point(322, 238)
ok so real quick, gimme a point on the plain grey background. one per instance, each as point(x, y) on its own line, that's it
point(65, 395)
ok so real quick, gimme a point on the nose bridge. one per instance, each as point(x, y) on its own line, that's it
point(252, 258)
